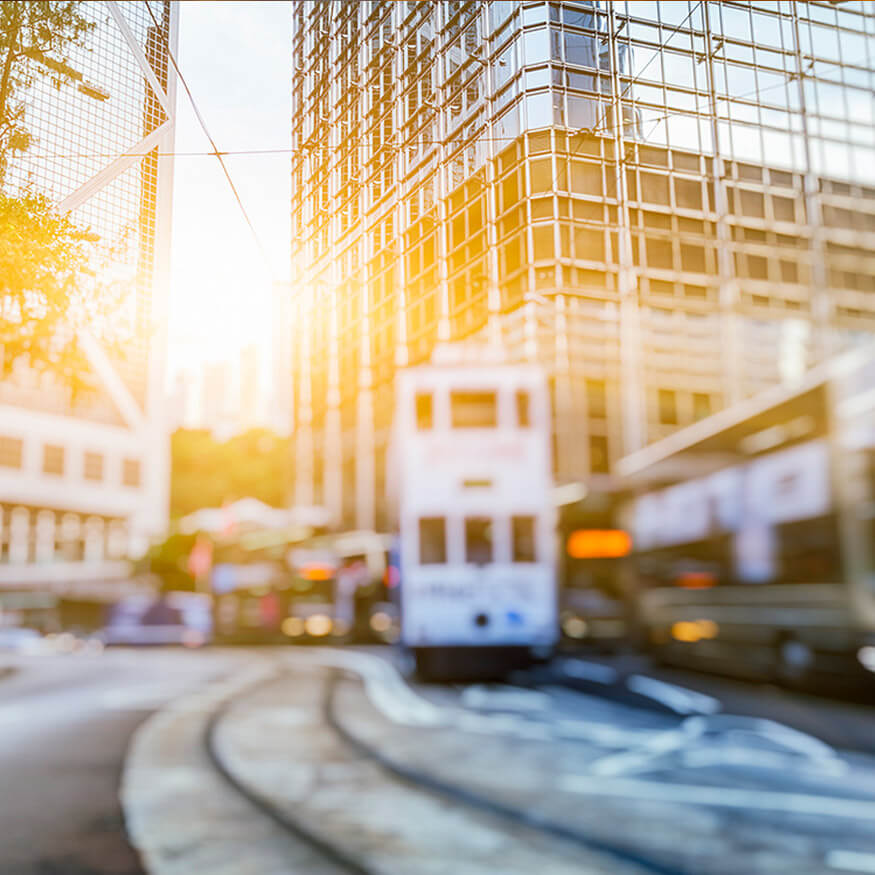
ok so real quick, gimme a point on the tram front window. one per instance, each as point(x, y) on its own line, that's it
point(478, 540)
point(424, 411)
point(432, 541)
point(523, 533)
point(522, 409)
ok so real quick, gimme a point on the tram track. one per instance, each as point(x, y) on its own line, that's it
point(292, 826)
point(361, 768)
point(509, 816)
point(454, 793)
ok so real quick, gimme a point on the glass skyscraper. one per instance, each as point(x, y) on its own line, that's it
point(84, 481)
point(671, 205)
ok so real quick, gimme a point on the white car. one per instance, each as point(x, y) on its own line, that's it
point(16, 639)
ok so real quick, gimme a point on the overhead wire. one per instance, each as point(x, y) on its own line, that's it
point(221, 154)
point(662, 46)
point(215, 149)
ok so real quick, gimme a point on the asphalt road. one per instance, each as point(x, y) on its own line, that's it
point(844, 721)
point(65, 722)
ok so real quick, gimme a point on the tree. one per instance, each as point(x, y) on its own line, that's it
point(208, 473)
point(48, 285)
point(47, 289)
point(36, 39)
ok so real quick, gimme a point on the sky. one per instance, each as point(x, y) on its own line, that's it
point(236, 58)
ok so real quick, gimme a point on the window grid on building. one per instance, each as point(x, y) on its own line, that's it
point(464, 170)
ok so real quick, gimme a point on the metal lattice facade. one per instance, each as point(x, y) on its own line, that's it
point(92, 478)
point(672, 205)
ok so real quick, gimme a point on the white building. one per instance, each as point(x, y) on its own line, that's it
point(84, 485)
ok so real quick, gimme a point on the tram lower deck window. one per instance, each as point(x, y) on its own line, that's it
point(478, 540)
point(523, 532)
point(424, 412)
point(523, 419)
point(432, 540)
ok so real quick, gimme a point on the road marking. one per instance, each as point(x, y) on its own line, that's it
point(639, 758)
point(12, 714)
point(779, 734)
point(679, 699)
point(720, 797)
point(504, 698)
point(384, 685)
point(850, 861)
point(610, 735)
point(744, 757)
point(589, 671)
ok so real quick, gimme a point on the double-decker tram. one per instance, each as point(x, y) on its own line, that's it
point(477, 546)
point(754, 532)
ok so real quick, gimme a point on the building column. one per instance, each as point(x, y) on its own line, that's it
point(732, 347)
point(155, 481)
point(632, 395)
point(365, 509)
point(19, 536)
point(303, 489)
point(44, 547)
point(569, 428)
point(822, 304)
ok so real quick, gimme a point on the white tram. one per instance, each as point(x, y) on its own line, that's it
point(471, 448)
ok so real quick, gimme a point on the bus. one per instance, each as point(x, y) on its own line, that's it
point(364, 577)
point(476, 523)
point(753, 532)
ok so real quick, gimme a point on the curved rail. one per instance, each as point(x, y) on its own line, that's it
point(453, 793)
point(419, 779)
point(282, 819)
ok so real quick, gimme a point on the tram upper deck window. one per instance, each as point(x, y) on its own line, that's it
point(478, 540)
point(523, 419)
point(432, 541)
point(473, 409)
point(424, 411)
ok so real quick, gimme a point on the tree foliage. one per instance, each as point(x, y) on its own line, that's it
point(207, 473)
point(47, 288)
point(35, 41)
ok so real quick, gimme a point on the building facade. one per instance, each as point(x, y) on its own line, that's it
point(84, 482)
point(671, 205)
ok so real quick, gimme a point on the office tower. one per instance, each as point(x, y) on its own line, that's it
point(250, 407)
point(279, 416)
point(671, 205)
point(84, 481)
point(219, 412)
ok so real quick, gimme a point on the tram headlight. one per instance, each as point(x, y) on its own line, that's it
point(685, 631)
point(866, 656)
point(293, 627)
point(381, 622)
point(574, 626)
point(319, 625)
point(193, 638)
point(708, 628)
point(691, 631)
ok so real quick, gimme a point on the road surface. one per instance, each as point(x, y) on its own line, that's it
point(65, 722)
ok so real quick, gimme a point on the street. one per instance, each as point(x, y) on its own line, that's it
point(328, 761)
point(65, 722)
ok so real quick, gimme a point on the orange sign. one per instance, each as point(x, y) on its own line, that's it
point(599, 544)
